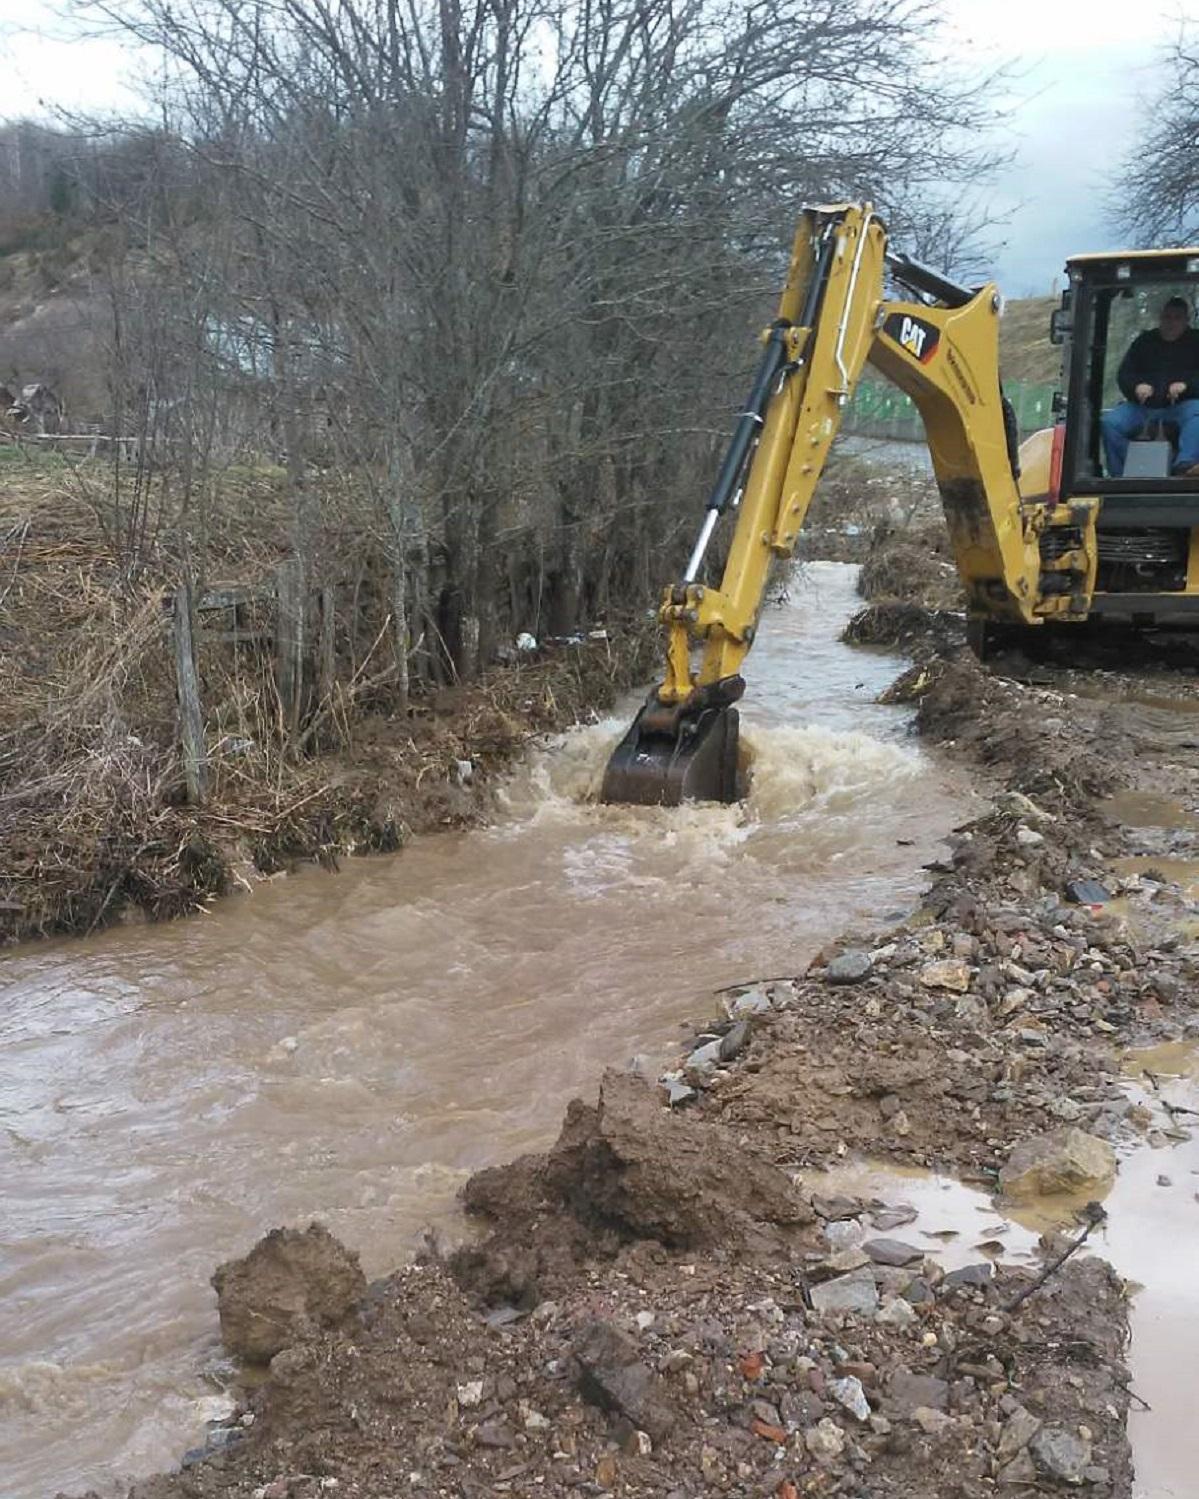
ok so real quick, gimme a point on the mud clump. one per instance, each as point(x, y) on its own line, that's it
point(293, 1283)
point(624, 1170)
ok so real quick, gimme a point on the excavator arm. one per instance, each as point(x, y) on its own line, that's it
point(942, 348)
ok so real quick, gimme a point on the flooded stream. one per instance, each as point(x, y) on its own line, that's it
point(353, 1046)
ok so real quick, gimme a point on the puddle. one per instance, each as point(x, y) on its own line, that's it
point(1170, 1059)
point(953, 1219)
point(1150, 1238)
point(1148, 809)
point(1118, 692)
point(1182, 872)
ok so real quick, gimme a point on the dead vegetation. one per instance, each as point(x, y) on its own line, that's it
point(94, 822)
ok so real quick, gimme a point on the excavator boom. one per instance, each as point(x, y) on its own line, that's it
point(942, 348)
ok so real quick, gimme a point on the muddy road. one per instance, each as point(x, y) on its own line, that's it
point(354, 1046)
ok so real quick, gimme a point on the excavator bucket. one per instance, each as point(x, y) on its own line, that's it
point(677, 753)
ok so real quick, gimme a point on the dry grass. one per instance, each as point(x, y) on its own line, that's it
point(93, 819)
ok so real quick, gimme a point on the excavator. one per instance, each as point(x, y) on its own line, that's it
point(1044, 539)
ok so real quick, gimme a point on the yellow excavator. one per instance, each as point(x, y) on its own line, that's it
point(1043, 537)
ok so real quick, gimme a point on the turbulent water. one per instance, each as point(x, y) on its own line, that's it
point(353, 1046)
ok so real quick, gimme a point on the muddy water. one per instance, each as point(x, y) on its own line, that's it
point(355, 1045)
point(1149, 1237)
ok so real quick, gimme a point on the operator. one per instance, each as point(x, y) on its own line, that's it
point(1159, 378)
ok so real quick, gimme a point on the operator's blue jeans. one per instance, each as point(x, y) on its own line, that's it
point(1124, 421)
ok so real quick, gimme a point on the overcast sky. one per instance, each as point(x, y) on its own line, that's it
point(1082, 64)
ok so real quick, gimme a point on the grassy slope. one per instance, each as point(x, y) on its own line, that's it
point(1025, 352)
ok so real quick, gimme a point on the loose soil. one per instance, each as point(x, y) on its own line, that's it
point(663, 1303)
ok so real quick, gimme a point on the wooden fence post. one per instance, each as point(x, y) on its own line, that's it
point(191, 719)
point(327, 666)
point(289, 640)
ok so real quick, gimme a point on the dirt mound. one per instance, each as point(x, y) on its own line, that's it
point(697, 1376)
point(909, 626)
point(911, 566)
point(627, 1169)
point(291, 1284)
point(1027, 734)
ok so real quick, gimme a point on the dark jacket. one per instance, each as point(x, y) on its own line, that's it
point(1151, 360)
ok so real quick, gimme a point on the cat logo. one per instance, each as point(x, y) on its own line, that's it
point(913, 335)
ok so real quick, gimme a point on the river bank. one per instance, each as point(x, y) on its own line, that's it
point(95, 823)
point(761, 1331)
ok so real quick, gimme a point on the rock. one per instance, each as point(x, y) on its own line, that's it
point(896, 1313)
point(850, 967)
point(1087, 893)
point(1064, 1160)
point(494, 1434)
point(745, 1006)
point(1029, 838)
point(908, 1391)
point(732, 1043)
point(885, 1219)
point(470, 1394)
point(844, 1260)
point(533, 1419)
point(1059, 1454)
point(825, 1441)
point(970, 1275)
point(1021, 806)
point(972, 1011)
point(892, 1252)
point(833, 1208)
point(1021, 1471)
point(901, 1124)
point(1018, 1430)
point(930, 1421)
point(678, 1092)
point(292, 1283)
point(855, 1292)
point(611, 1375)
point(844, 1233)
point(704, 1058)
point(949, 973)
point(849, 1393)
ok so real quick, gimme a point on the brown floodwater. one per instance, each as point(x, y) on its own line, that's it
point(353, 1046)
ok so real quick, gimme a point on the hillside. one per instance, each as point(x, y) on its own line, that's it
point(1025, 352)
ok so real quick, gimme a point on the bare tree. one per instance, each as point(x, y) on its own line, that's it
point(1156, 194)
point(516, 247)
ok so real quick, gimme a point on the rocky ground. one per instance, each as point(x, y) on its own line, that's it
point(663, 1303)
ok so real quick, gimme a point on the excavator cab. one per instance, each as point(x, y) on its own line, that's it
point(1147, 518)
